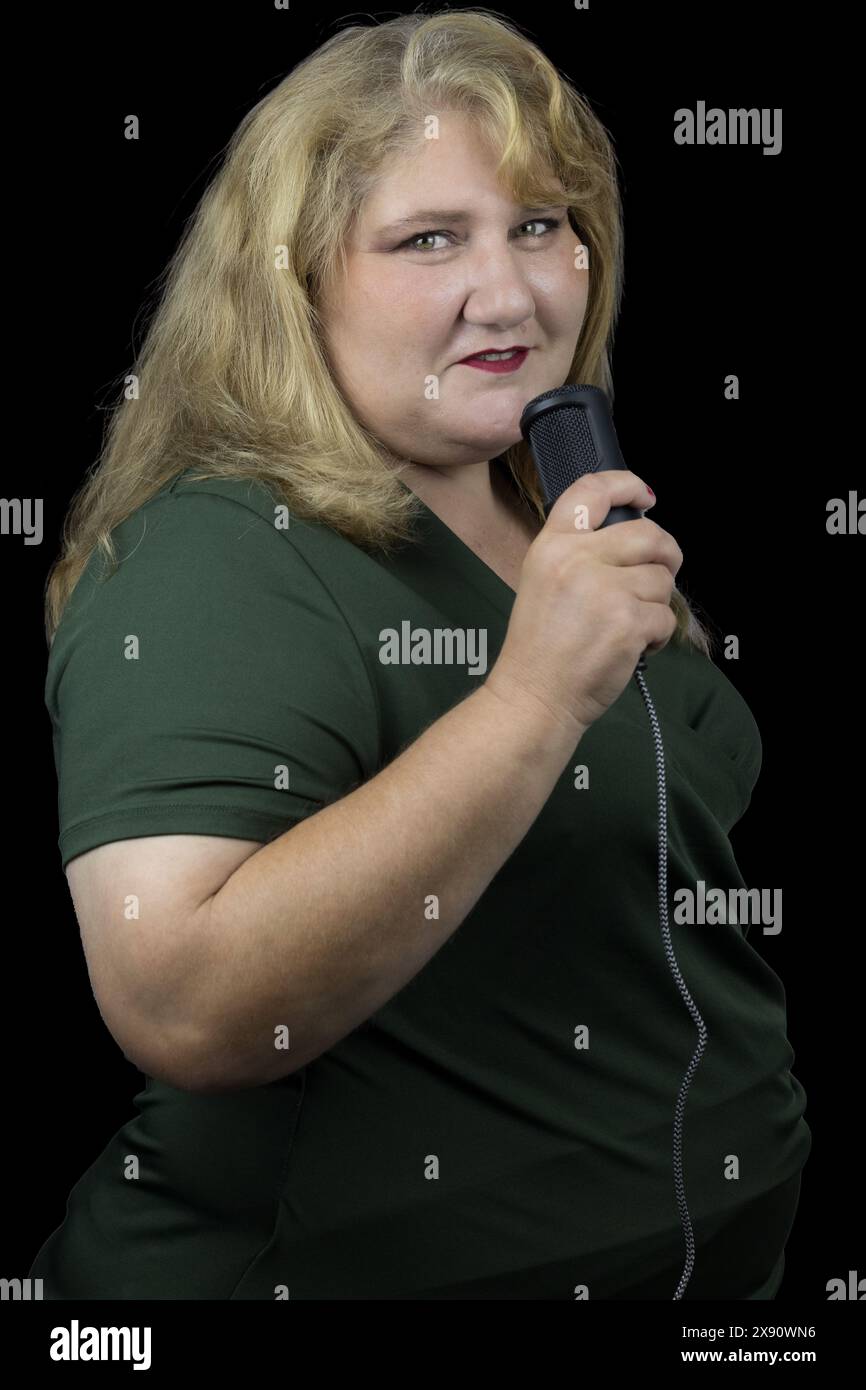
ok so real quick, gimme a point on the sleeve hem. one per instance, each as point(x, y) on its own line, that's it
point(234, 822)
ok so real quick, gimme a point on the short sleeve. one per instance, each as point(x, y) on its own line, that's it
point(210, 685)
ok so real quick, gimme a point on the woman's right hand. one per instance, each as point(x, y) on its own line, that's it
point(589, 602)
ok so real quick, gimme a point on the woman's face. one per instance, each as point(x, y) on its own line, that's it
point(412, 305)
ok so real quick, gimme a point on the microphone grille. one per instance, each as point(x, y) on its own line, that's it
point(562, 445)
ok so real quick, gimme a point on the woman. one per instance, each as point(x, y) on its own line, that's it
point(357, 797)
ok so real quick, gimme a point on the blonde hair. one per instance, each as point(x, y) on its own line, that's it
point(233, 378)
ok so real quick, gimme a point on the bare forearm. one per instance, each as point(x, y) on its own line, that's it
point(319, 928)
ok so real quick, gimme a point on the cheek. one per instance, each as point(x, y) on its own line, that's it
point(562, 270)
point(561, 293)
point(575, 283)
point(406, 316)
point(579, 297)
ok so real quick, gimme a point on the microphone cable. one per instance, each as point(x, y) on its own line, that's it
point(679, 1109)
point(570, 432)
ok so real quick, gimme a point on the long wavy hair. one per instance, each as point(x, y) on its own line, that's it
point(232, 378)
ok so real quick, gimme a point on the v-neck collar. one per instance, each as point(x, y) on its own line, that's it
point(464, 558)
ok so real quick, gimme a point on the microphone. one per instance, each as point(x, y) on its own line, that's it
point(570, 432)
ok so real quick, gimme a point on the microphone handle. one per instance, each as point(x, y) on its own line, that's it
point(612, 458)
point(620, 514)
point(614, 515)
point(606, 448)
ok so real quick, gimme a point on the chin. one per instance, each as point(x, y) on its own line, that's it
point(492, 436)
point(489, 446)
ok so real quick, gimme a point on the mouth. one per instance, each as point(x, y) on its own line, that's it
point(511, 360)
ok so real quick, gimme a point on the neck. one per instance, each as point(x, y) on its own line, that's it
point(473, 495)
point(471, 483)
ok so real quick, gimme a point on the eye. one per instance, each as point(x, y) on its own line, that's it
point(409, 245)
point(549, 223)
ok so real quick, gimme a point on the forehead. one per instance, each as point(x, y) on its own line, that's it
point(452, 160)
point(454, 170)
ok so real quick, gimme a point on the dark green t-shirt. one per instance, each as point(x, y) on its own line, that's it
point(503, 1126)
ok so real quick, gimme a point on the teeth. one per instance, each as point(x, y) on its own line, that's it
point(496, 356)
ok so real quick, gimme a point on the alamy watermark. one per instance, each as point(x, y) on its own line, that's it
point(438, 646)
point(22, 516)
point(718, 906)
point(741, 126)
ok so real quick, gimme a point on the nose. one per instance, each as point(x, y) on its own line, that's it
point(498, 293)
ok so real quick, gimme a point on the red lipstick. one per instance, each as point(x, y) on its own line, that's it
point(511, 363)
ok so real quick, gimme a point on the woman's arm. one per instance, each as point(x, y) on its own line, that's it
point(317, 929)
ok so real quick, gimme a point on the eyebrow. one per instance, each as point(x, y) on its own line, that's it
point(449, 215)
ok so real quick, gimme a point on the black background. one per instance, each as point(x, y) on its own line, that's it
point(732, 257)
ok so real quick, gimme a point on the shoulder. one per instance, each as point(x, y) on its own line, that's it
point(203, 539)
point(210, 566)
